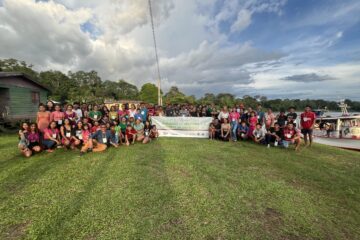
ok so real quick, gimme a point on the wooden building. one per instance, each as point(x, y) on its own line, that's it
point(19, 97)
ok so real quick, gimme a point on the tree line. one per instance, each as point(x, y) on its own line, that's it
point(85, 86)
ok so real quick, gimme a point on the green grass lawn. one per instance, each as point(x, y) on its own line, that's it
point(180, 189)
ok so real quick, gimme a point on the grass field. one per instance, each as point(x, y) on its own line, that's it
point(180, 189)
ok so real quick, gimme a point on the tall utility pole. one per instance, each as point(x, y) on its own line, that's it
point(156, 56)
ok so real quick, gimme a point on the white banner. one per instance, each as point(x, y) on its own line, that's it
point(191, 127)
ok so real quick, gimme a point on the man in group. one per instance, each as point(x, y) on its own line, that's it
point(259, 134)
point(291, 136)
point(307, 121)
point(101, 139)
point(292, 115)
point(260, 114)
point(144, 112)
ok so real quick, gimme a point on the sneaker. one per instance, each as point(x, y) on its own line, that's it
point(268, 146)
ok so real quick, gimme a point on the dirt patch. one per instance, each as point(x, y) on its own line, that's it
point(16, 231)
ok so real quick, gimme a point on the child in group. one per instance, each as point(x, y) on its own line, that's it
point(291, 136)
point(122, 126)
point(274, 135)
point(154, 133)
point(253, 120)
point(96, 127)
point(212, 131)
point(85, 136)
point(34, 139)
point(51, 137)
point(130, 135)
point(114, 138)
point(24, 143)
point(67, 135)
point(243, 130)
point(259, 134)
point(147, 130)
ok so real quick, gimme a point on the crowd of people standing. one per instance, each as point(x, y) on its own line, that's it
point(93, 127)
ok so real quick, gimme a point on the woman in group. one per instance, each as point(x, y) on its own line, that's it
point(225, 130)
point(70, 114)
point(224, 114)
point(50, 106)
point(234, 120)
point(253, 120)
point(23, 137)
point(269, 119)
point(57, 115)
point(95, 115)
point(139, 128)
point(42, 118)
point(113, 114)
point(132, 111)
point(51, 137)
point(68, 139)
point(34, 139)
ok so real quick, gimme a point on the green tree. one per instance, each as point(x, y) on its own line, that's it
point(175, 96)
point(149, 93)
point(13, 65)
point(62, 87)
point(225, 99)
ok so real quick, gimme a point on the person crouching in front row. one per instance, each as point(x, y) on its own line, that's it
point(101, 139)
point(291, 136)
point(259, 134)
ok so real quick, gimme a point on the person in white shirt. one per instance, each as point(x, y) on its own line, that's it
point(224, 114)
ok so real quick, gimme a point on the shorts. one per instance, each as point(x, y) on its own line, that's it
point(33, 144)
point(286, 144)
point(306, 131)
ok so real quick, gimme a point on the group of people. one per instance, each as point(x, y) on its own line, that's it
point(90, 128)
point(263, 127)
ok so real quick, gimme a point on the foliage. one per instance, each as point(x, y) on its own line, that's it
point(212, 190)
point(149, 93)
point(88, 86)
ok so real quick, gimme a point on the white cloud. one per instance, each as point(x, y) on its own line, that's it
point(195, 53)
point(242, 22)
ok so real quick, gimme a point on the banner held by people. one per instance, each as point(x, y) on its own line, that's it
point(191, 127)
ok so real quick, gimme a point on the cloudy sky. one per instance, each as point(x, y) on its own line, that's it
point(277, 48)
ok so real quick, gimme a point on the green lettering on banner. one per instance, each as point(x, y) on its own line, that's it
point(192, 127)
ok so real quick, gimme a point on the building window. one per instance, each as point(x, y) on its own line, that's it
point(35, 97)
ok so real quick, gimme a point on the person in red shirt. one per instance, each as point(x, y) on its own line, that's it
point(130, 135)
point(291, 136)
point(307, 121)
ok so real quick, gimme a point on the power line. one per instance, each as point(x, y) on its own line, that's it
point(156, 54)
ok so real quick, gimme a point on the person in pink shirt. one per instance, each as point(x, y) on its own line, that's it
point(253, 120)
point(234, 117)
point(51, 137)
point(70, 114)
point(269, 119)
point(42, 118)
point(57, 116)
